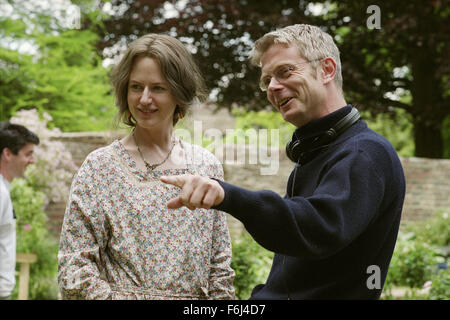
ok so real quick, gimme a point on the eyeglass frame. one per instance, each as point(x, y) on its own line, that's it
point(290, 68)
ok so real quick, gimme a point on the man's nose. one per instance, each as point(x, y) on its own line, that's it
point(274, 84)
point(146, 97)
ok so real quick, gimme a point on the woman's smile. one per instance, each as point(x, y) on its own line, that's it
point(150, 100)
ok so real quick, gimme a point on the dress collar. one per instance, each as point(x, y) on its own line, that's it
point(153, 174)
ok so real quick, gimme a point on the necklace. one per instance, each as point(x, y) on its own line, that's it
point(148, 165)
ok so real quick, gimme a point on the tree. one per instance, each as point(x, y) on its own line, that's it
point(400, 66)
point(12, 79)
point(61, 74)
point(408, 56)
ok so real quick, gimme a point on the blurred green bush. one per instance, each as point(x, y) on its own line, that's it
point(262, 120)
point(252, 264)
point(419, 263)
point(412, 263)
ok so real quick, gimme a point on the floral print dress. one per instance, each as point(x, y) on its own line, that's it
point(120, 241)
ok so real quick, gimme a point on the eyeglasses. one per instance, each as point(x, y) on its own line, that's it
point(281, 73)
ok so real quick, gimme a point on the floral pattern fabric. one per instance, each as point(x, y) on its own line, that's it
point(120, 241)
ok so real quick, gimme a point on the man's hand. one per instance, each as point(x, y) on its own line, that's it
point(197, 192)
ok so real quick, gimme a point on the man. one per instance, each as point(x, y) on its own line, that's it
point(334, 232)
point(16, 153)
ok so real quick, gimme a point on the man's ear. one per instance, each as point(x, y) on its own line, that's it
point(7, 154)
point(328, 70)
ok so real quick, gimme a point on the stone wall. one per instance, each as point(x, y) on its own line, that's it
point(427, 187)
point(427, 180)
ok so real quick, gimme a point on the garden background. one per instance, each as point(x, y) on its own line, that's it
point(55, 61)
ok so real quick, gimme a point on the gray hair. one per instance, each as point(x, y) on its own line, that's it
point(312, 42)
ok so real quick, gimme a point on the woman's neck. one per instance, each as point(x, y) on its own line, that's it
point(149, 139)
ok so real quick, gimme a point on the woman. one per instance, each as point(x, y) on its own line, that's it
point(119, 240)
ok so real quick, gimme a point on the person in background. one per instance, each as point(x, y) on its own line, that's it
point(16, 153)
point(334, 232)
point(119, 240)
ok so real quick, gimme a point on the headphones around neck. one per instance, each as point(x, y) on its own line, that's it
point(298, 148)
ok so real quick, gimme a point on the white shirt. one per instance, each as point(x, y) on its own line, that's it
point(7, 240)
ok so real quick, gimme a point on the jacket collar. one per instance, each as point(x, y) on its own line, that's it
point(319, 126)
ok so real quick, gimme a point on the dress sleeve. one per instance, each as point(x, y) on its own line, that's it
point(221, 274)
point(83, 239)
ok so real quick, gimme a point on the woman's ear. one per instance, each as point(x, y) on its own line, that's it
point(180, 112)
point(177, 114)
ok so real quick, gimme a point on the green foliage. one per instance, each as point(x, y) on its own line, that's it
point(69, 83)
point(440, 286)
point(414, 264)
point(252, 264)
point(64, 77)
point(263, 119)
point(13, 79)
point(434, 231)
point(33, 237)
point(397, 129)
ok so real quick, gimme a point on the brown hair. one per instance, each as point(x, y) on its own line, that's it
point(177, 66)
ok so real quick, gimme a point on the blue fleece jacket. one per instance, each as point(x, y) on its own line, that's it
point(334, 232)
